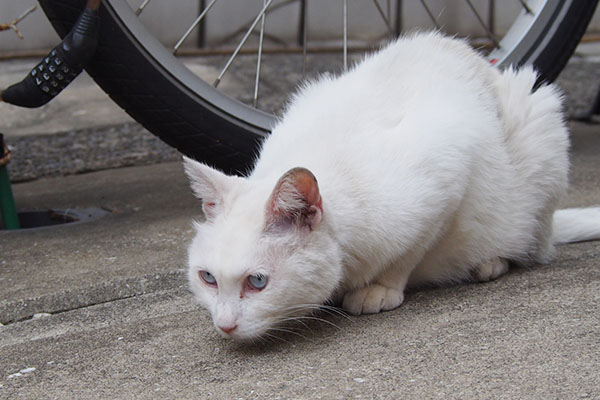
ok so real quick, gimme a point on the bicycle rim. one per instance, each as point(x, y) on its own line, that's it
point(227, 133)
point(522, 44)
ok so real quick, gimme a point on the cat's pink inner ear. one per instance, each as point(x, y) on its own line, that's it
point(207, 184)
point(210, 209)
point(296, 199)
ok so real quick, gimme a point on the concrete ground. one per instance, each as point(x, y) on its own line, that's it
point(100, 310)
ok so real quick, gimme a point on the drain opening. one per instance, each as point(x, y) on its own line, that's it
point(50, 218)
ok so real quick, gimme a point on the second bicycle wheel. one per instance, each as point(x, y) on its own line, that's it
point(158, 91)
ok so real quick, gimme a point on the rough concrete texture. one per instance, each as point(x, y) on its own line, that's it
point(135, 249)
point(123, 325)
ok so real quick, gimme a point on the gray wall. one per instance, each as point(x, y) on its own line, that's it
point(35, 28)
point(325, 20)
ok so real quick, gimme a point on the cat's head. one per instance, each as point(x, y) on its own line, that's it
point(264, 253)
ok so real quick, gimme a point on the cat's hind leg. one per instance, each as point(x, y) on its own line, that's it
point(491, 269)
point(545, 251)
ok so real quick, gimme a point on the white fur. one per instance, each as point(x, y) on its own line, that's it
point(575, 225)
point(431, 165)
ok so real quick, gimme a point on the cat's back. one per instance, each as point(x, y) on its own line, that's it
point(413, 68)
point(412, 81)
point(385, 83)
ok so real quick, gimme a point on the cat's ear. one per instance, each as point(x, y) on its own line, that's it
point(209, 185)
point(295, 201)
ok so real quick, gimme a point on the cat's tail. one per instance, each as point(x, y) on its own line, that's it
point(576, 225)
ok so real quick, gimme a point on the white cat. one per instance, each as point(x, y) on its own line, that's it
point(432, 167)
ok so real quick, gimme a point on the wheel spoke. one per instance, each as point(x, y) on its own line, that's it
point(242, 42)
point(244, 27)
point(141, 7)
point(430, 14)
point(260, 46)
point(383, 16)
point(390, 13)
point(526, 7)
point(193, 26)
point(490, 34)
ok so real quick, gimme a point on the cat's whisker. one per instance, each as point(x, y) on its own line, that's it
point(296, 319)
point(279, 328)
point(272, 338)
point(259, 338)
point(300, 318)
point(289, 331)
point(329, 310)
point(282, 319)
point(321, 320)
point(269, 336)
point(336, 311)
point(303, 307)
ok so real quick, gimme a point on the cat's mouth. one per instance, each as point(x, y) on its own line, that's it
point(243, 332)
point(245, 337)
point(301, 322)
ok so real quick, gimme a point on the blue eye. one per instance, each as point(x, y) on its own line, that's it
point(208, 278)
point(257, 281)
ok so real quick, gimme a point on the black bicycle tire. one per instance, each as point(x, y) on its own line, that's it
point(157, 100)
point(186, 120)
point(561, 38)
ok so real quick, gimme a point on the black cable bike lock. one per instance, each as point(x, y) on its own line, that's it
point(51, 75)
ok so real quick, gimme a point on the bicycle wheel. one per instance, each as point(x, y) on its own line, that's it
point(150, 84)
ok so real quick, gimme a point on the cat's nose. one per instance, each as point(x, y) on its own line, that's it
point(228, 329)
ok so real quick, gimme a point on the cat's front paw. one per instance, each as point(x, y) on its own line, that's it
point(491, 269)
point(372, 299)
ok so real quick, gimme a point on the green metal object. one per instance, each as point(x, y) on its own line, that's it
point(7, 201)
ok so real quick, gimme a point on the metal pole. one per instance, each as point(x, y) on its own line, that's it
point(399, 18)
point(492, 16)
point(345, 44)
point(304, 26)
point(301, 24)
point(7, 201)
point(202, 28)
